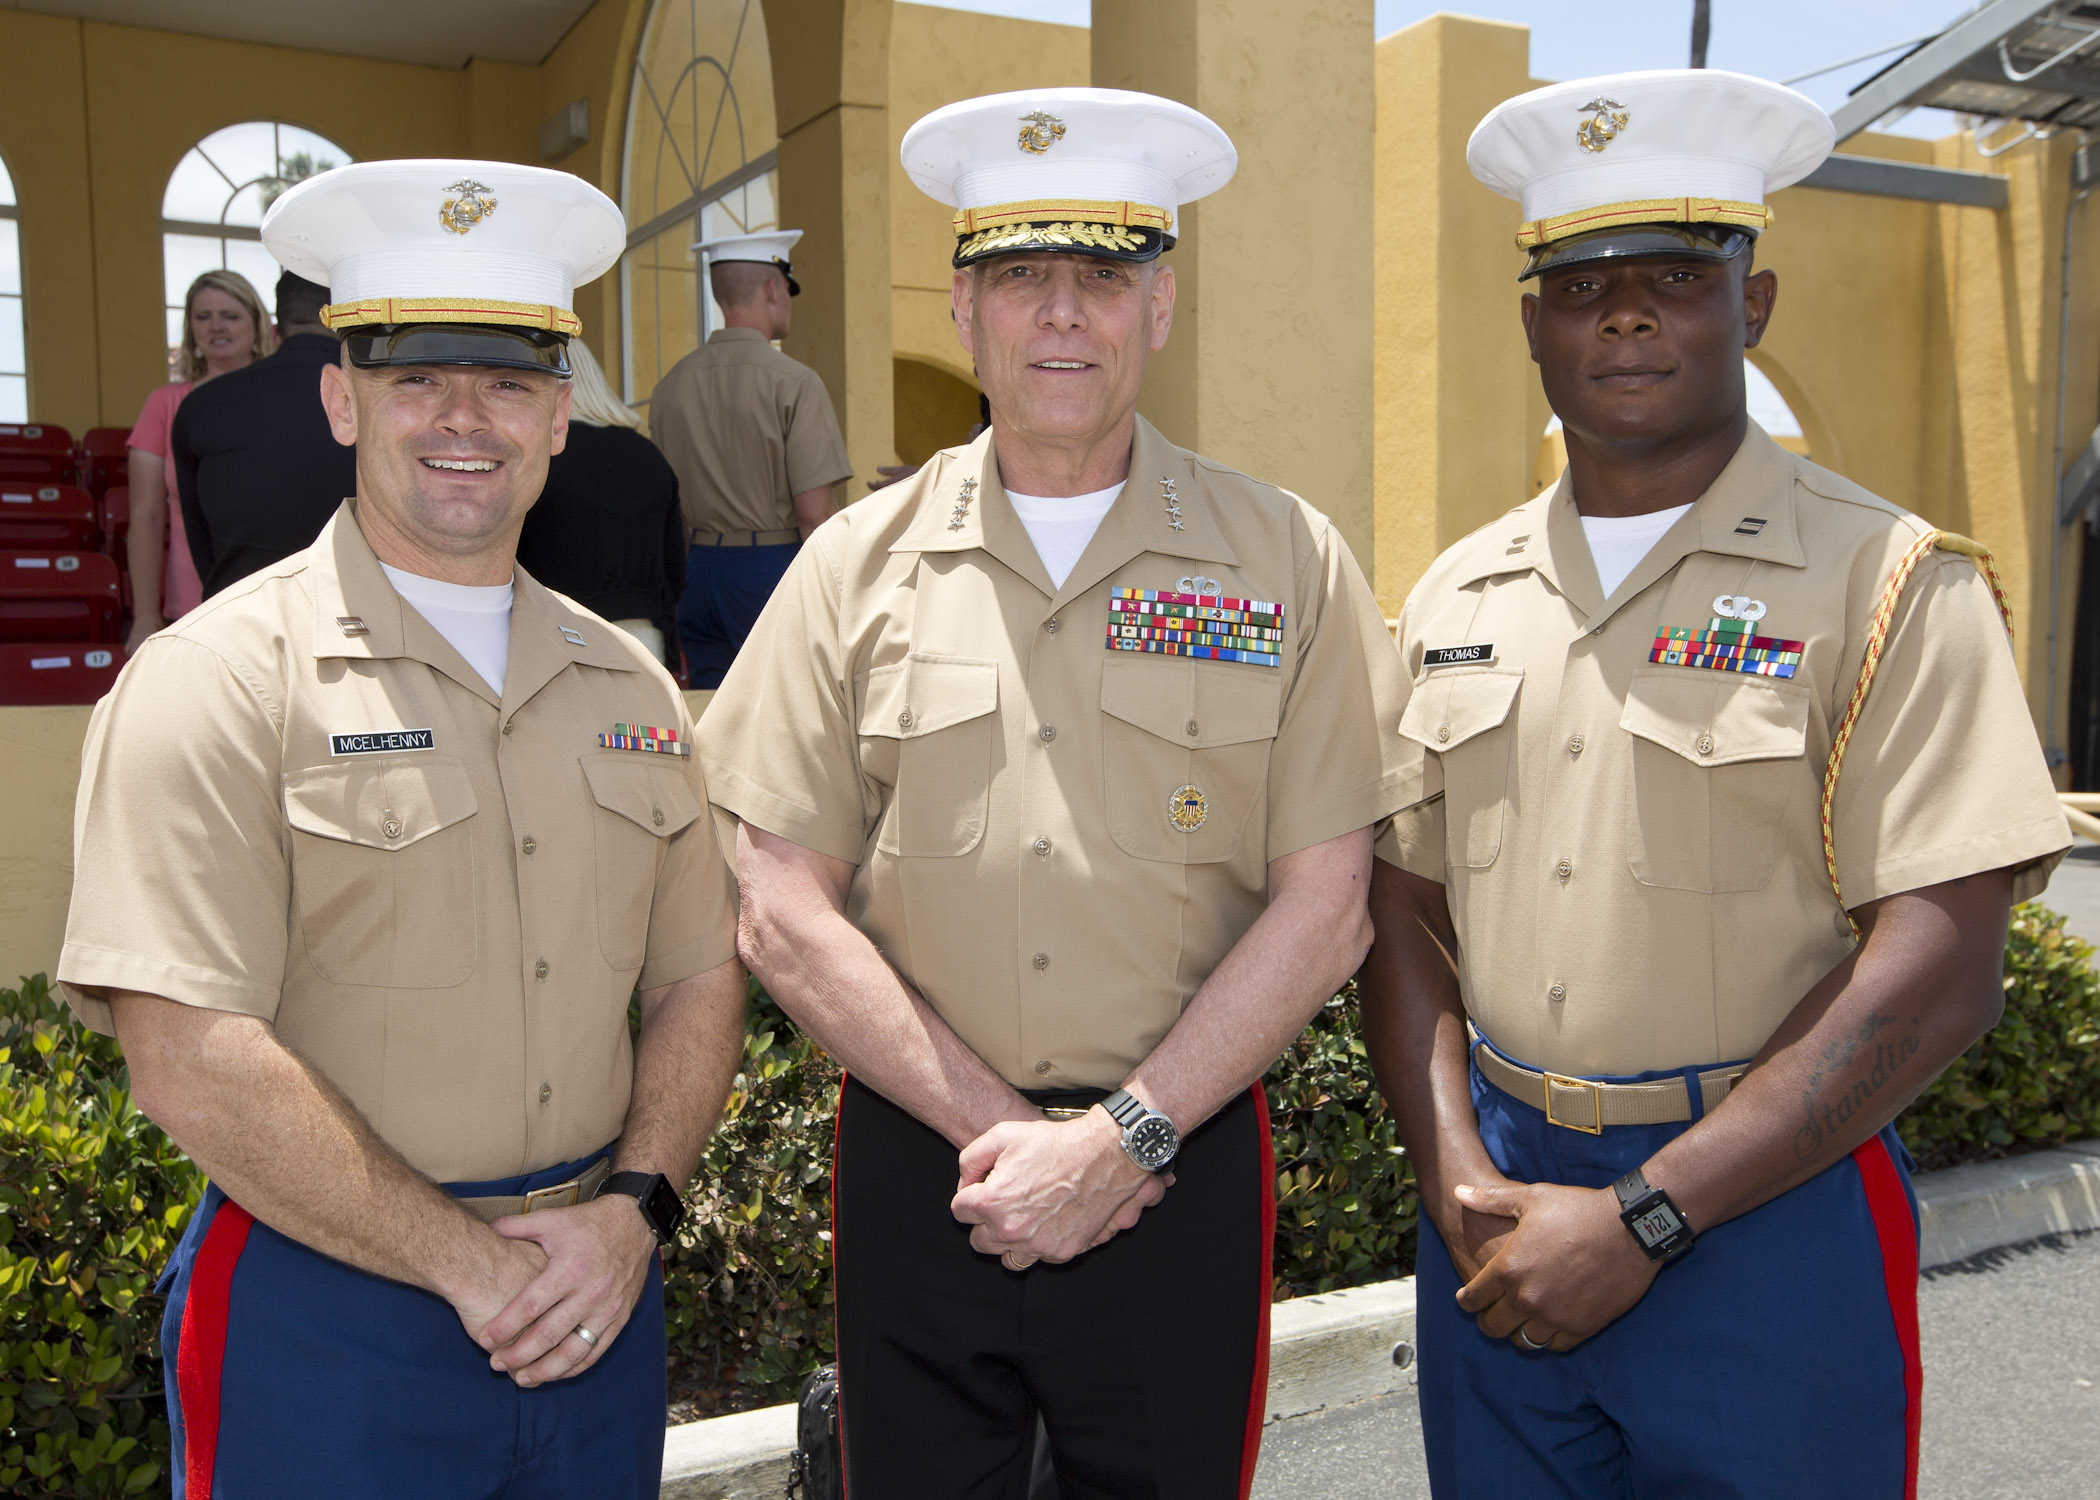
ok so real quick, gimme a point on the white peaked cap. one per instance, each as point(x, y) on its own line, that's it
point(1030, 165)
point(773, 247)
point(1677, 146)
point(446, 241)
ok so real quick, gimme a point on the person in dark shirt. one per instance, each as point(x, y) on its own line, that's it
point(607, 530)
point(258, 471)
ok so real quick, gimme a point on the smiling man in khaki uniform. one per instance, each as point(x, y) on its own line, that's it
point(1056, 765)
point(755, 444)
point(371, 852)
point(1668, 1246)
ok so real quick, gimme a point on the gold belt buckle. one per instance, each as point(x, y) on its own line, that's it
point(1063, 1112)
point(561, 1195)
point(1596, 1103)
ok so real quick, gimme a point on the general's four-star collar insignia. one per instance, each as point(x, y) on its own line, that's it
point(962, 505)
point(1196, 619)
point(1172, 501)
point(644, 737)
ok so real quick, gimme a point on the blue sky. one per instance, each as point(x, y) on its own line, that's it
point(1771, 38)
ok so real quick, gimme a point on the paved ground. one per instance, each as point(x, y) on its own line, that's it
point(2012, 1392)
point(2074, 890)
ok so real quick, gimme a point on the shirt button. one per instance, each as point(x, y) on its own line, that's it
point(506, 730)
point(656, 816)
point(393, 828)
point(1041, 960)
point(539, 970)
point(1443, 733)
point(1706, 744)
point(530, 844)
point(1042, 1067)
point(1558, 993)
point(1048, 732)
point(546, 1092)
point(1193, 730)
point(1564, 869)
point(1053, 625)
point(1042, 846)
point(904, 721)
point(1575, 743)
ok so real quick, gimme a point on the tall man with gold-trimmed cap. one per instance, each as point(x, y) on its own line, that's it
point(371, 851)
point(755, 444)
point(1056, 765)
point(1721, 782)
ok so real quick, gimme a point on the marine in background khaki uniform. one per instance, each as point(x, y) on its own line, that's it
point(302, 804)
point(746, 429)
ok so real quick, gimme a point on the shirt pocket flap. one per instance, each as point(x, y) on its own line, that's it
point(379, 804)
point(924, 694)
point(1198, 707)
point(655, 798)
point(1451, 707)
point(1717, 718)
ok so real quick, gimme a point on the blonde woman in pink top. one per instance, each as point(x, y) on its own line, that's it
point(224, 329)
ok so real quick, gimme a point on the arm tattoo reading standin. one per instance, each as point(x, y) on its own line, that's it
point(1826, 1116)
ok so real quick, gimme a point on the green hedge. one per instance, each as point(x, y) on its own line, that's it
point(93, 1198)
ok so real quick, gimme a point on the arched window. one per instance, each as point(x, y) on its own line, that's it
point(14, 362)
point(699, 162)
point(211, 215)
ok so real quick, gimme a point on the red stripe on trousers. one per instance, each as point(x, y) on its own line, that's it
point(838, 1120)
point(203, 1352)
point(1898, 1233)
point(1258, 1397)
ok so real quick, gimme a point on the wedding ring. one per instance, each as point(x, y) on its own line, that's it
point(1524, 1338)
point(1006, 1258)
point(589, 1338)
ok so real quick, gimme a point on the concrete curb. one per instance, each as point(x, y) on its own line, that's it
point(1354, 1345)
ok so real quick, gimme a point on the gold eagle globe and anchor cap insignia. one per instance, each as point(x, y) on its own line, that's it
point(1607, 117)
point(468, 206)
point(1187, 809)
point(1122, 166)
point(1040, 130)
point(474, 288)
point(1692, 182)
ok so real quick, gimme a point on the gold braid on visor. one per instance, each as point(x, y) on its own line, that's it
point(1125, 230)
point(1754, 217)
point(395, 310)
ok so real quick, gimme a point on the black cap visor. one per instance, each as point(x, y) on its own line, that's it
point(375, 345)
point(1694, 241)
point(1103, 242)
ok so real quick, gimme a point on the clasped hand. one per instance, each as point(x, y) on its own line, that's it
point(1552, 1263)
point(1051, 1189)
point(554, 1272)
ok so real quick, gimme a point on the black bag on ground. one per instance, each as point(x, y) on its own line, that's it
point(817, 1469)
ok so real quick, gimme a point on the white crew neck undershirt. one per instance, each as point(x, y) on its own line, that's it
point(476, 620)
point(1618, 543)
point(1061, 526)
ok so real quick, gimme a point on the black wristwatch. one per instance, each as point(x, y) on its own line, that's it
point(1652, 1219)
point(1149, 1137)
point(654, 1195)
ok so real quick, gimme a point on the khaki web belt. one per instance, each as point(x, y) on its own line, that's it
point(1579, 1104)
point(561, 1195)
point(746, 538)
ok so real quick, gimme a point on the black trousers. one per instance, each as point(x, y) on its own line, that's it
point(1146, 1359)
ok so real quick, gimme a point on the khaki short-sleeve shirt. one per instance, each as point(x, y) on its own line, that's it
point(746, 429)
point(300, 803)
point(1058, 839)
point(1632, 848)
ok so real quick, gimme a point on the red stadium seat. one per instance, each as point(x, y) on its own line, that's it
point(58, 516)
point(38, 673)
point(36, 452)
point(58, 596)
point(105, 458)
point(116, 521)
